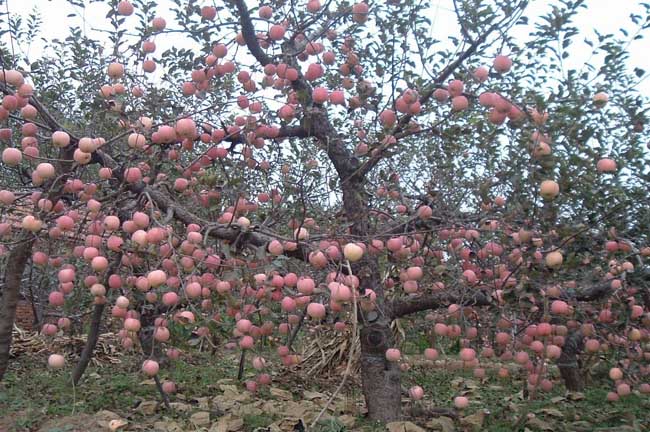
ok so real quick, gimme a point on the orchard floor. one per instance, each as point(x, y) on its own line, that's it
point(209, 398)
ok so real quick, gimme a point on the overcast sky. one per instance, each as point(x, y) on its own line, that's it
point(604, 15)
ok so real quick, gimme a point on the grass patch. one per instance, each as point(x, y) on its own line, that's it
point(31, 395)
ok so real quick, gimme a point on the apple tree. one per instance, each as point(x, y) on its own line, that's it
point(258, 169)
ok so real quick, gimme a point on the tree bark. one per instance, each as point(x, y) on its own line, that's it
point(91, 342)
point(380, 378)
point(16, 263)
point(95, 327)
point(568, 363)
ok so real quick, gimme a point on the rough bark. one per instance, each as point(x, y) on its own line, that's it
point(16, 263)
point(403, 307)
point(569, 364)
point(381, 380)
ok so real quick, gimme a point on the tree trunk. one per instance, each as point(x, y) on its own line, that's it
point(16, 263)
point(568, 363)
point(95, 327)
point(380, 378)
point(91, 342)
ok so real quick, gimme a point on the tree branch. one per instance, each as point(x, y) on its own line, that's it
point(227, 232)
point(402, 307)
point(315, 120)
point(424, 98)
point(248, 31)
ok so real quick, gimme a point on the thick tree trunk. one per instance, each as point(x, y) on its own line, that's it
point(16, 263)
point(91, 342)
point(380, 378)
point(568, 363)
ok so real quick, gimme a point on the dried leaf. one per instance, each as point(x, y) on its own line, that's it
point(403, 426)
point(282, 394)
point(293, 410)
point(204, 403)
point(201, 418)
point(116, 424)
point(474, 421)
point(228, 423)
point(457, 382)
point(167, 426)
point(347, 420)
point(181, 407)
point(110, 420)
point(539, 424)
point(309, 395)
point(248, 410)
point(444, 424)
point(147, 407)
point(575, 396)
point(552, 412)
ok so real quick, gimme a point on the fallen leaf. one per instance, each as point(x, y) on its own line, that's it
point(552, 412)
point(248, 409)
point(201, 418)
point(223, 402)
point(297, 410)
point(110, 420)
point(539, 424)
point(557, 399)
point(347, 420)
point(271, 406)
point(283, 394)
point(284, 425)
point(147, 407)
point(309, 395)
point(457, 382)
point(116, 424)
point(444, 424)
point(474, 421)
point(204, 403)
point(228, 388)
point(180, 406)
point(228, 423)
point(106, 416)
point(167, 426)
point(403, 426)
point(575, 396)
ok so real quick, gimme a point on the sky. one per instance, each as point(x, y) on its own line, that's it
point(600, 14)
